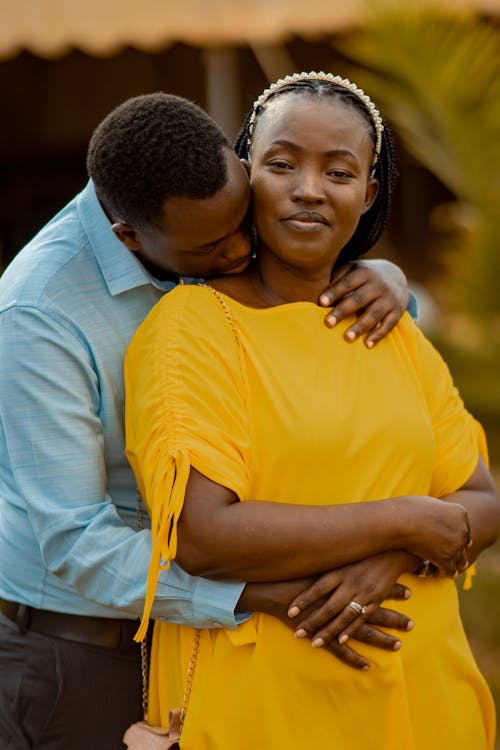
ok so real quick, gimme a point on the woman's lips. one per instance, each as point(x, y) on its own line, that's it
point(306, 221)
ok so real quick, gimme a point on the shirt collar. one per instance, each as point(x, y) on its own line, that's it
point(120, 268)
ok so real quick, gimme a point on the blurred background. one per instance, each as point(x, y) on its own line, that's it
point(432, 67)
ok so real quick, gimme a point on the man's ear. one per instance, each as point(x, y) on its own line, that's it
point(127, 234)
point(246, 164)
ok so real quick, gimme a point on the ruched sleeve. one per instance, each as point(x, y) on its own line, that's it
point(459, 438)
point(185, 407)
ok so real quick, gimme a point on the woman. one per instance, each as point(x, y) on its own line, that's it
point(258, 410)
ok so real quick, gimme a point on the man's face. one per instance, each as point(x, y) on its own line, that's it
point(199, 237)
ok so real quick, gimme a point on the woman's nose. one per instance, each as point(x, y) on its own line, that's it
point(308, 186)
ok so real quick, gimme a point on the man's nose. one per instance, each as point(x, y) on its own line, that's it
point(236, 246)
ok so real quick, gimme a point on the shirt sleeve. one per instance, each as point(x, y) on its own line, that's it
point(459, 439)
point(53, 440)
point(185, 407)
point(412, 306)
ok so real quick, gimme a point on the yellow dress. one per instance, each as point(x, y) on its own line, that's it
point(277, 407)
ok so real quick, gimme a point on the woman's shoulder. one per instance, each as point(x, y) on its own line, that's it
point(188, 299)
point(187, 315)
point(426, 357)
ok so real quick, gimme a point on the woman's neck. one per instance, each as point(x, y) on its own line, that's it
point(279, 284)
point(268, 283)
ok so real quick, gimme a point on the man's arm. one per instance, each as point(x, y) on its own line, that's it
point(53, 442)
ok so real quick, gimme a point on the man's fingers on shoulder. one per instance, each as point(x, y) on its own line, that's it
point(341, 273)
point(381, 330)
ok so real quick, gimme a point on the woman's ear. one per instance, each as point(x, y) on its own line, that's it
point(126, 234)
point(372, 189)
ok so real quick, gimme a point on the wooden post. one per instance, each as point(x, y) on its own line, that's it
point(223, 99)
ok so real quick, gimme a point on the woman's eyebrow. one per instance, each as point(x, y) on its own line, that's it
point(296, 147)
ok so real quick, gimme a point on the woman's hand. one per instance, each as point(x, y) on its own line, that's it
point(368, 582)
point(375, 290)
point(274, 599)
point(438, 531)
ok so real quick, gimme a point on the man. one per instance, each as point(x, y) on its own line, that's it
point(168, 199)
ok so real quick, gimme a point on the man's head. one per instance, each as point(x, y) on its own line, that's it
point(172, 186)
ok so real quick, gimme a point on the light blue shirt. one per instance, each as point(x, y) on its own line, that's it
point(69, 305)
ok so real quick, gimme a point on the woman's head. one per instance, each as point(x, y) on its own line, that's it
point(300, 91)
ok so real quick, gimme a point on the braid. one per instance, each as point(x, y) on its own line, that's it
point(241, 142)
point(384, 169)
point(374, 221)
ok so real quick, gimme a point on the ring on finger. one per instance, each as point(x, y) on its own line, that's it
point(357, 607)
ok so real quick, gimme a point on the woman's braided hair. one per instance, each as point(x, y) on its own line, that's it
point(384, 168)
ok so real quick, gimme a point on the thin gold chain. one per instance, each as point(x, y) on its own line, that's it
point(224, 306)
point(144, 647)
point(144, 643)
point(190, 673)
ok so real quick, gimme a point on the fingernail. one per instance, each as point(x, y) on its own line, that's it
point(370, 344)
point(407, 594)
point(293, 611)
point(410, 625)
point(343, 638)
point(318, 642)
point(397, 646)
point(331, 320)
point(324, 299)
point(365, 669)
point(300, 633)
point(350, 335)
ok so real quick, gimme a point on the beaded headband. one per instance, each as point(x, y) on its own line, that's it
point(377, 121)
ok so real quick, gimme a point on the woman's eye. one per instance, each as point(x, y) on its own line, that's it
point(279, 164)
point(339, 173)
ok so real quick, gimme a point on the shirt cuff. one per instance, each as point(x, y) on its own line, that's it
point(214, 604)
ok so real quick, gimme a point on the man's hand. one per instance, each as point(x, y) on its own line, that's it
point(375, 290)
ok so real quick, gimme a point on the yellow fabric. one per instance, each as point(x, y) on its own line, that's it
point(289, 412)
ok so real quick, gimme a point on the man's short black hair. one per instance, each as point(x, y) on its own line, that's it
point(153, 147)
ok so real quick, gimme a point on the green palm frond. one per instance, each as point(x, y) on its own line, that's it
point(436, 76)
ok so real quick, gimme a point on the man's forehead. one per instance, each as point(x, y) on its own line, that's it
point(215, 216)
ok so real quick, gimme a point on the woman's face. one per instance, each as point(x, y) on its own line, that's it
point(311, 160)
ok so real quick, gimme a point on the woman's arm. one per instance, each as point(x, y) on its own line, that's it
point(369, 581)
point(263, 541)
point(480, 499)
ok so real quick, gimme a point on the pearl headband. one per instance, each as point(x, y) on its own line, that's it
point(376, 118)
